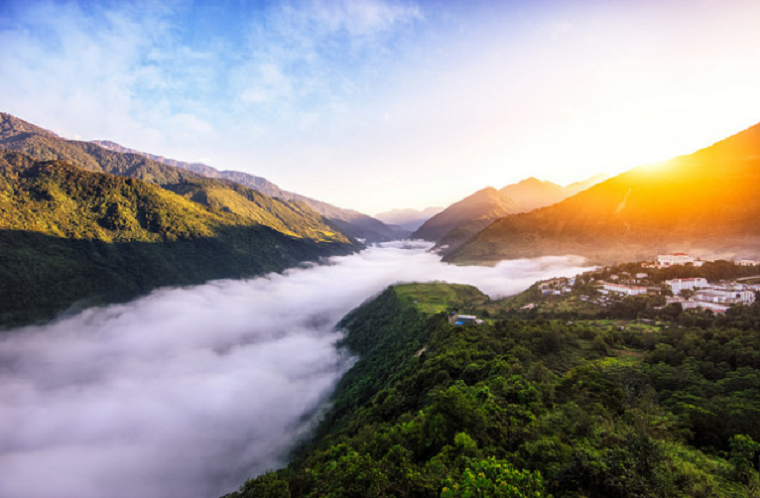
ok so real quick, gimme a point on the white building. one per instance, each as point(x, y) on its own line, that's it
point(728, 294)
point(678, 284)
point(677, 258)
point(746, 262)
point(715, 307)
point(627, 290)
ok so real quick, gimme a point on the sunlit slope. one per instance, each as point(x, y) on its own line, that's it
point(348, 221)
point(67, 234)
point(288, 216)
point(705, 203)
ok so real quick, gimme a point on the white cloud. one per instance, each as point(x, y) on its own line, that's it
point(101, 72)
point(362, 17)
point(187, 392)
point(315, 49)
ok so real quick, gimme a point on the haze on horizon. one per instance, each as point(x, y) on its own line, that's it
point(376, 104)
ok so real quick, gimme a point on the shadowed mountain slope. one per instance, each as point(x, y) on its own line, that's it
point(463, 219)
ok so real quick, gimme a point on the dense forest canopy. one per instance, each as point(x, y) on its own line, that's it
point(534, 405)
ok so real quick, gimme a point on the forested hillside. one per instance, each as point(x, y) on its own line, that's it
point(533, 405)
point(68, 235)
point(206, 185)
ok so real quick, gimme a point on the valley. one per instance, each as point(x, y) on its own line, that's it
point(379, 249)
point(625, 400)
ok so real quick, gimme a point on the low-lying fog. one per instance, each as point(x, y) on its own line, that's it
point(187, 392)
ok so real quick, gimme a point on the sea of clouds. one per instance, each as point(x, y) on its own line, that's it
point(187, 392)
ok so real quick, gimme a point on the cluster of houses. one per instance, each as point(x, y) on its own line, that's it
point(557, 286)
point(681, 258)
point(717, 297)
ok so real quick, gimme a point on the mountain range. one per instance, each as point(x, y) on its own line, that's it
point(465, 218)
point(706, 203)
point(457, 223)
point(350, 222)
point(408, 219)
point(533, 193)
point(83, 224)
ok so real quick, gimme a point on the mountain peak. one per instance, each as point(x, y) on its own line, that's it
point(706, 201)
point(11, 126)
point(530, 180)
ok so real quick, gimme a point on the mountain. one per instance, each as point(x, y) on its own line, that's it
point(408, 219)
point(576, 187)
point(533, 193)
point(350, 222)
point(68, 235)
point(223, 191)
point(531, 405)
point(706, 203)
point(456, 224)
point(463, 219)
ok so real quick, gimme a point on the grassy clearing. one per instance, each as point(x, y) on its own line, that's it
point(432, 298)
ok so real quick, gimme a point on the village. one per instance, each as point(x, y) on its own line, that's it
point(690, 293)
point(609, 285)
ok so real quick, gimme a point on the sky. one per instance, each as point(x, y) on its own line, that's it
point(188, 392)
point(380, 104)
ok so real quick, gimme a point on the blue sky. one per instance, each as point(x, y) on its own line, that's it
point(373, 104)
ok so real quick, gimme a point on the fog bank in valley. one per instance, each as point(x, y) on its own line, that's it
point(186, 392)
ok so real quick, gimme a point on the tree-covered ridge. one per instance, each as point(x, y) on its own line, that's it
point(289, 217)
point(350, 222)
point(58, 198)
point(534, 407)
point(68, 235)
point(238, 192)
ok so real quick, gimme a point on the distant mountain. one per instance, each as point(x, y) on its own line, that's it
point(350, 222)
point(408, 219)
point(705, 203)
point(576, 187)
point(463, 219)
point(457, 223)
point(533, 193)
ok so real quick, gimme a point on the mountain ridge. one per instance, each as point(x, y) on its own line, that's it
point(84, 224)
point(704, 203)
point(464, 218)
point(407, 218)
point(353, 223)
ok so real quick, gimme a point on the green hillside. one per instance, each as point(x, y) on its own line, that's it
point(707, 203)
point(348, 221)
point(534, 407)
point(290, 217)
point(68, 235)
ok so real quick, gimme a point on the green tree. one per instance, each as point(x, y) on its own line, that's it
point(268, 485)
point(492, 478)
point(743, 449)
